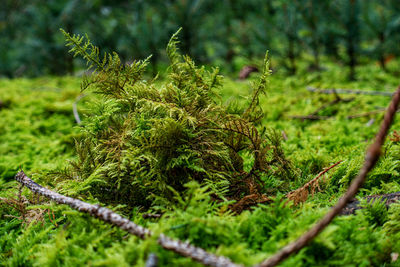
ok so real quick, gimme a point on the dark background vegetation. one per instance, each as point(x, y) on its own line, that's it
point(140, 141)
point(229, 33)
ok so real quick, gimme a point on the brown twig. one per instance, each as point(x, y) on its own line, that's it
point(314, 115)
point(301, 194)
point(371, 158)
point(331, 103)
point(366, 114)
point(249, 201)
point(183, 248)
point(310, 117)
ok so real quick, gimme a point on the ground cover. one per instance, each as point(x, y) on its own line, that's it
point(37, 131)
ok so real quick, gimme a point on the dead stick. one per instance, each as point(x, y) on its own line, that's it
point(183, 248)
point(371, 158)
point(323, 172)
point(373, 112)
point(288, 195)
point(331, 103)
point(311, 117)
point(314, 115)
point(347, 91)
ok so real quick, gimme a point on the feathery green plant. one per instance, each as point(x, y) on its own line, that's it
point(143, 139)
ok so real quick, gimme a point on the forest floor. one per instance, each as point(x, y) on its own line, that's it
point(37, 131)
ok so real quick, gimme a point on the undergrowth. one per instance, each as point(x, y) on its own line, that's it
point(38, 132)
point(143, 139)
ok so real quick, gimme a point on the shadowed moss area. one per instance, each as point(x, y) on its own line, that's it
point(38, 132)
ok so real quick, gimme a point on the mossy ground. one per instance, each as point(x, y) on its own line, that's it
point(37, 131)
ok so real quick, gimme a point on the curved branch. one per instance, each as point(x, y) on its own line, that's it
point(371, 158)
point(75, 108)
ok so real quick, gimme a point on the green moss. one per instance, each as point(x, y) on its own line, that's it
point(38, 132)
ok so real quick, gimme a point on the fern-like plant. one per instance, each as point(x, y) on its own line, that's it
point(143, 138)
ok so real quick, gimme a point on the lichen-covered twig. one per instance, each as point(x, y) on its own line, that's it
point(107, 215)
point(347, 91)
point(371, 158)
point(75, 108)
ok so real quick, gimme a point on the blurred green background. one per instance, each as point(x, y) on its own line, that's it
point(228, 33)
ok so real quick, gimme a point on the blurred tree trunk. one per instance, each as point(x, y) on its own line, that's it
point(292, 56)
point(352, 37)
point(382, 60)
point(69, 59)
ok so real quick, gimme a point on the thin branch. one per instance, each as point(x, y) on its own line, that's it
point(366, 114)
point(301, 194)
point(331, 103)
point(347, 91)
point(248, 201)
point(311, 117)
point(75, 108)
point(371, 158)
point(183, 248)
point(314, 115)
point(151, 216)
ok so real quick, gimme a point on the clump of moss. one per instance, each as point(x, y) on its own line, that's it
point(143, 138)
